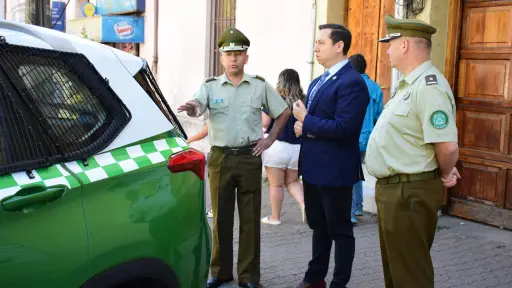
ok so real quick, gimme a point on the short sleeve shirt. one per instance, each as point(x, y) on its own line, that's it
point(235, 112)
point(420, 113)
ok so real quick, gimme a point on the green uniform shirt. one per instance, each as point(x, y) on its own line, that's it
point(235, 112)
point(420, 113)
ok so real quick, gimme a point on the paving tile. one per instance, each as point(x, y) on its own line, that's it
point(468, 255)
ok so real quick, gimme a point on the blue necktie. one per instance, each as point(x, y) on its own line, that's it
point(317, 86)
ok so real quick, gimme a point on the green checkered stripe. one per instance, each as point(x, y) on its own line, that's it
point(100, 167)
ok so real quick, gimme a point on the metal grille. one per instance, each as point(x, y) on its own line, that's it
point(223, 17)
point(148, 83)
point(74, 109)
point(17, 141)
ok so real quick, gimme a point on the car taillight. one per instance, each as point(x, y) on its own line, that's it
point(188, 160)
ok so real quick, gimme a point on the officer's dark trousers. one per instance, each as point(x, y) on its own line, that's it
point(407, 217)
point(230, 172)
point(328, 214)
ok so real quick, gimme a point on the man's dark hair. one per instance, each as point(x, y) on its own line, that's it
point(358, 62)
point(339, 33)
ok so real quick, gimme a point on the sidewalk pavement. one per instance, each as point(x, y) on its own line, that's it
point(465, 254)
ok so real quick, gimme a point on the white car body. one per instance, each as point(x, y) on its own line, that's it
point(117, 66)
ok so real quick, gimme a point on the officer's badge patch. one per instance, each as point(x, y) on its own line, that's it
point(439, 119)
point(431, 79)
point(217, 101)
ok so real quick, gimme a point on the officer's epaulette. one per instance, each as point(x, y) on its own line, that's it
point(431, 79)
point(209, 79)
point(259, 77)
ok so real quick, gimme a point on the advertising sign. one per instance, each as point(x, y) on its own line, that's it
point(123, 29)
point(57, 10)
point(88, 9)
point(106, 7)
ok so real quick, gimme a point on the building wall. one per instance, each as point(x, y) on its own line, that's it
point(146, 49)
point(436, 14)
point(327, 11)
point(182, 51)
point(281, 37)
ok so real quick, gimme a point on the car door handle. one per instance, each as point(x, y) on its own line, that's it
point(31, 196)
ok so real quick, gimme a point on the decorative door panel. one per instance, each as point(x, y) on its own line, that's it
point(366, 23)
point(484, 114)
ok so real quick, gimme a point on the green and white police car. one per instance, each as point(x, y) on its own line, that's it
point(97, 186)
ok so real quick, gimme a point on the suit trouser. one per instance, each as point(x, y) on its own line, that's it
point(241, 173)
point(328, 214)
point(407, 219)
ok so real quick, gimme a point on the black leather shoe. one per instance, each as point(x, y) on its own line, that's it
point(215, 282)
point(250, 285)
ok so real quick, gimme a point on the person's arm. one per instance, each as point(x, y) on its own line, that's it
point(279, 124)
point(277, 109)
point(447, 154)
point(350, 110)
point(379, 106)
point(266, 121)
point(439, 128)
point(197, 106)
point(199, 135)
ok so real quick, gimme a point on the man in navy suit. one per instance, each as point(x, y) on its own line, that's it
point(330, 123)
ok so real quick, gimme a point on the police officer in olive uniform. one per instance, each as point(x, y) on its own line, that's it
point(412, 152)
point(234, 101)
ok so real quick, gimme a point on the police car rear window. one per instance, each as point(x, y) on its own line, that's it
point(146, 80)
point(55, 106)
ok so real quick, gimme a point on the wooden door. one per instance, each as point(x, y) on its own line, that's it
point(365, 20)
point(484, 111)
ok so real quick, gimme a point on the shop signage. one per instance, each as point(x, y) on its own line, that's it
point(57, 11)
point(107, 7)
point(123, 29)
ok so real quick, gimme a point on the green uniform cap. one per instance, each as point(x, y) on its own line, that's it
point(407, 28)
point(233, 40)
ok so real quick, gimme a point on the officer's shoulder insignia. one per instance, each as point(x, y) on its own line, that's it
point(439, 119)
point(431, 79)
point(259, 77)
point(209, 79)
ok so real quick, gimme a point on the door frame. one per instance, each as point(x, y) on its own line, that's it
point(452, 46)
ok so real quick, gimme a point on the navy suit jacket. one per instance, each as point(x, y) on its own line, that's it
point(330, 134)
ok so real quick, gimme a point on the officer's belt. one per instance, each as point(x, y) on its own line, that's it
point(409, 177)
point(244, 150)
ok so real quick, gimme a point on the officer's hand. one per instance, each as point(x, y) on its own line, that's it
point(299, 111)
point(191, 107)
point(450, 179)
point(262, 145)
point(298, 128)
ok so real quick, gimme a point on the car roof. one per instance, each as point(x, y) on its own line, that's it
point(117, 66)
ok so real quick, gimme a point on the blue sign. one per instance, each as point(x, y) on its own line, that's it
point(58, 8)
point(106, 7)
point(122, 29)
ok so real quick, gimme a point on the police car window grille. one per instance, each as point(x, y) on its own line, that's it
point(160, 101)
point(74, 105)
point(12, 131)
point(19, 145)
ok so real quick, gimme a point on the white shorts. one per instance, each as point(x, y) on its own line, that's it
point(282, 155)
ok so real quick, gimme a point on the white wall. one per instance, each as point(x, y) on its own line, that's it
point(146, 48)
point(281, 36)
point(182, 53)
point(2, 9)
